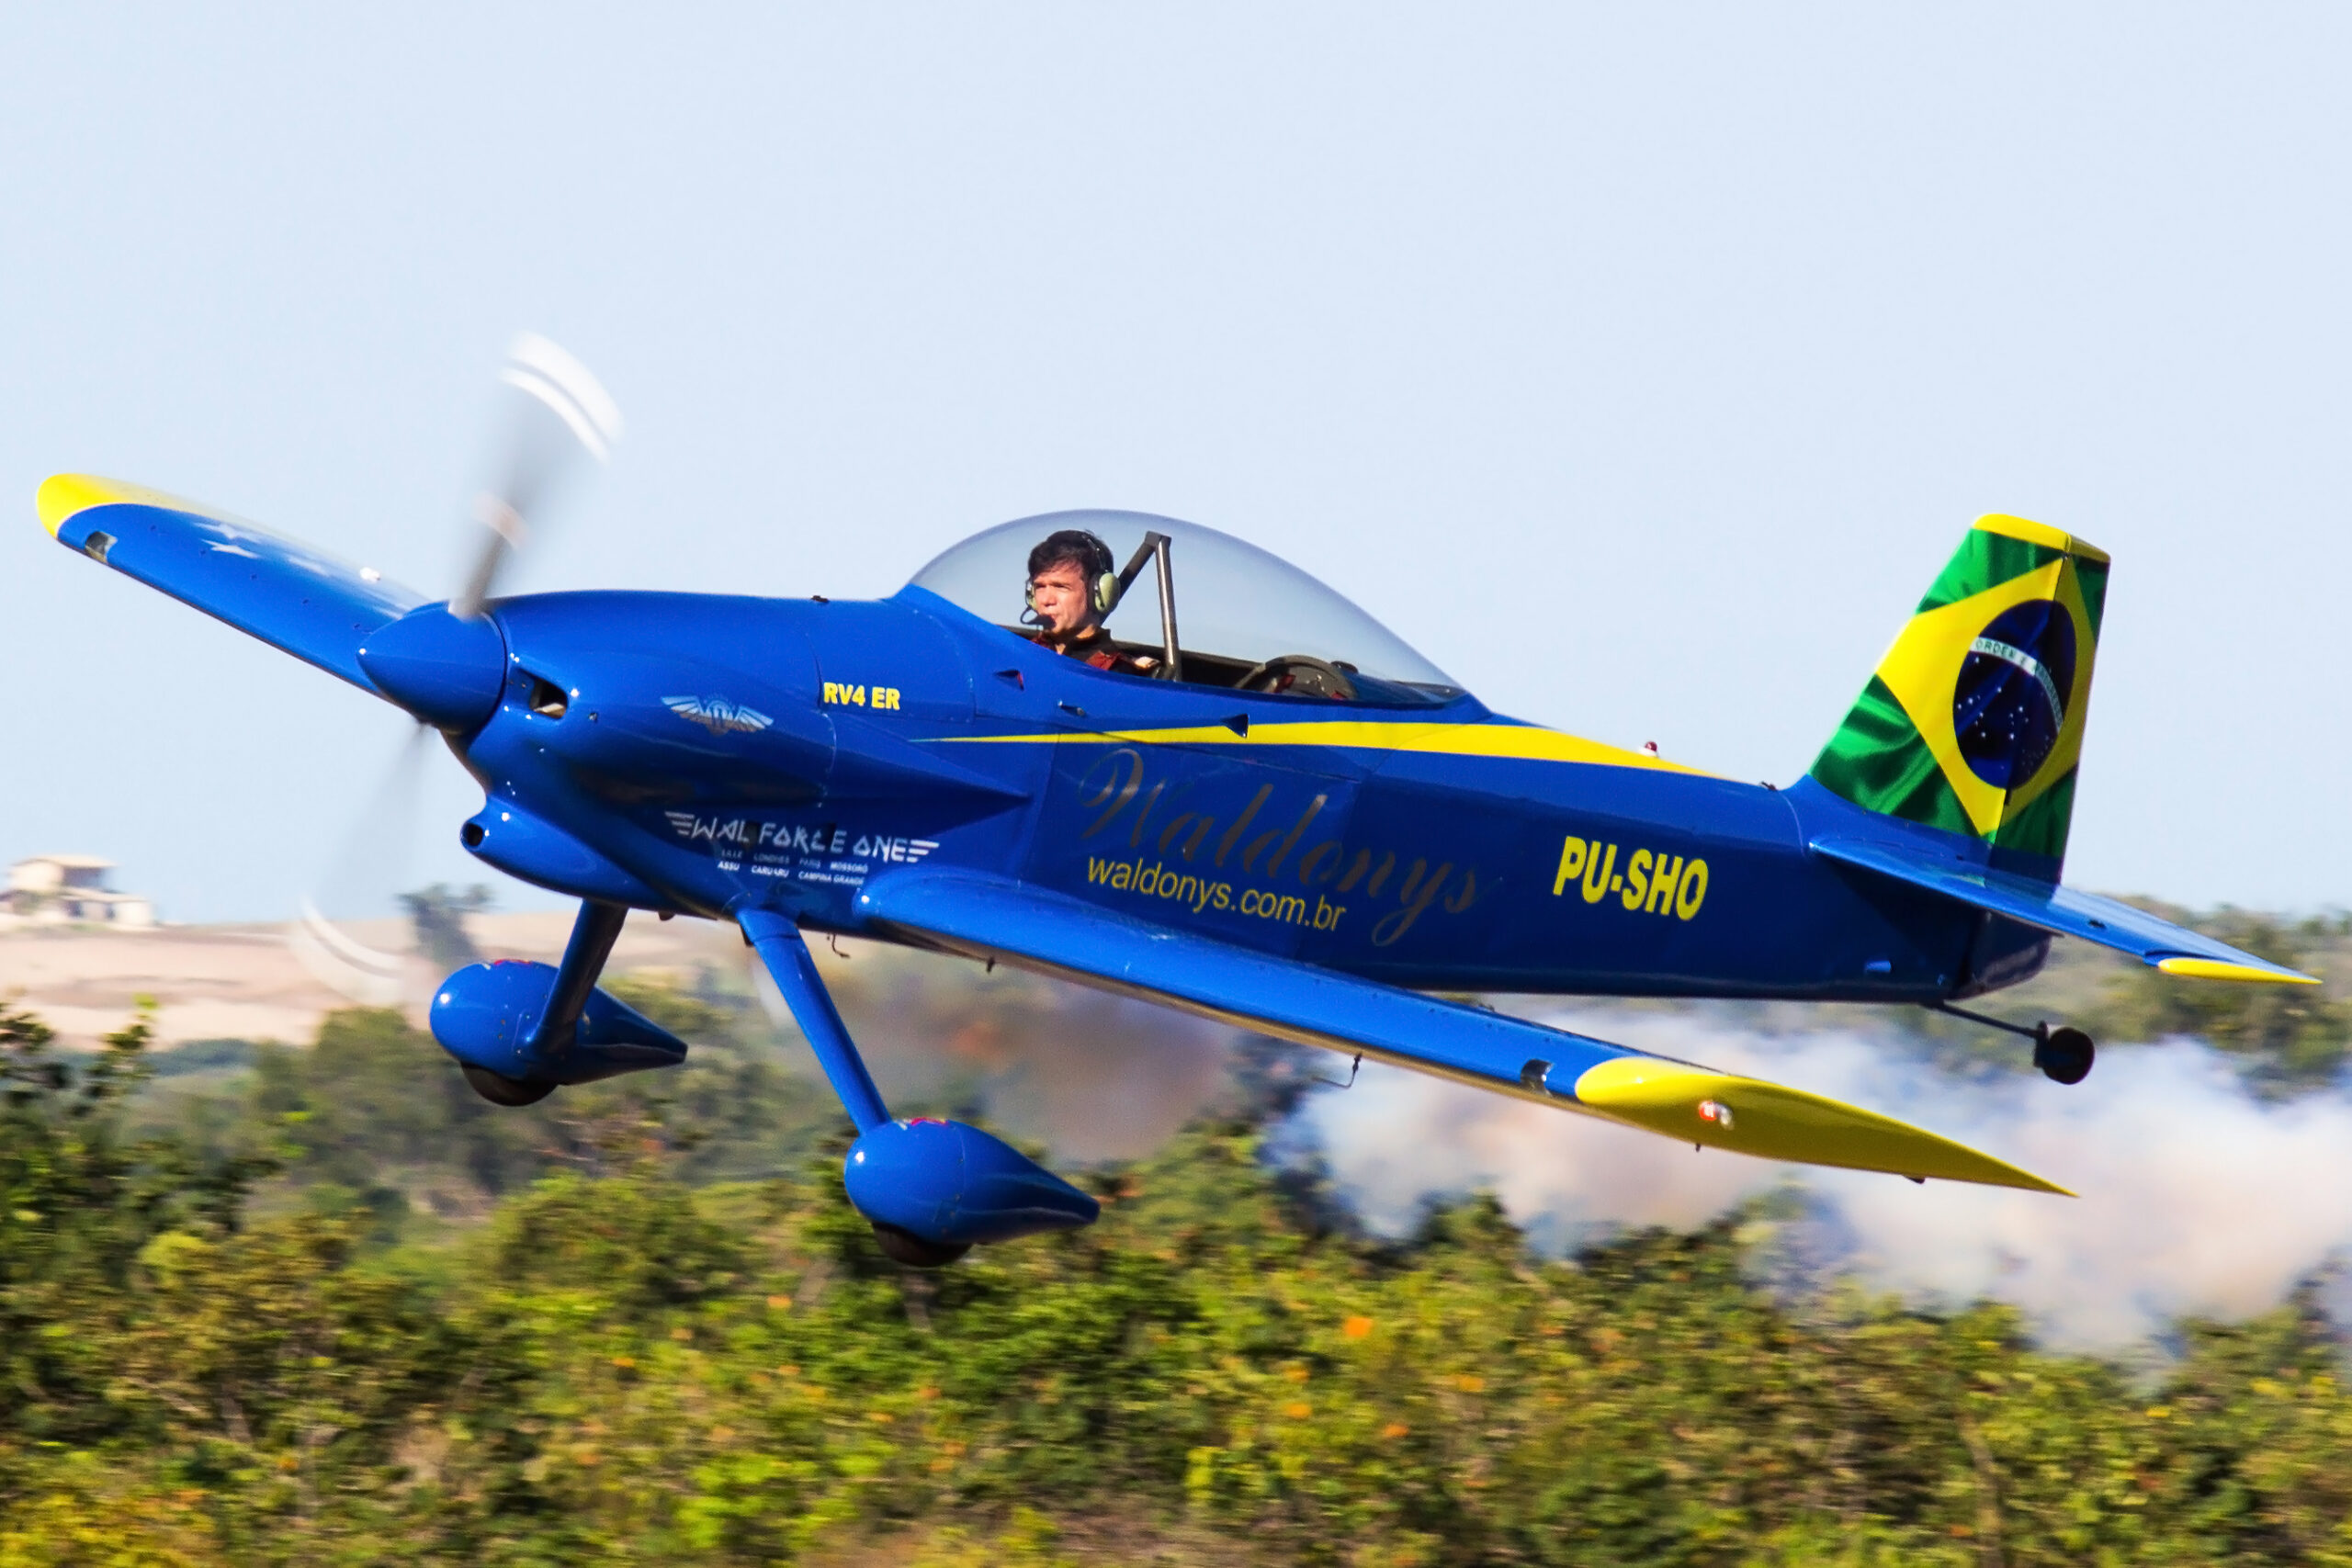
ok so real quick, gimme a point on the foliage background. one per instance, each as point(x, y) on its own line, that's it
point(265, 1304)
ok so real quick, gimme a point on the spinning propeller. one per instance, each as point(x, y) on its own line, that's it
point(537, 453)
point(557, 419)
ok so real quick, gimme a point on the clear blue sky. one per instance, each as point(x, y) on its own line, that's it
point(1640, 364)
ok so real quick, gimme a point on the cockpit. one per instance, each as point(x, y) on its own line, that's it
point(1202, 608)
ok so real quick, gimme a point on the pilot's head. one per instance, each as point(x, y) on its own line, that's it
point(1072, 582)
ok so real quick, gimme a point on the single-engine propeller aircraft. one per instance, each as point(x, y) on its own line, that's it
point(1282, 817)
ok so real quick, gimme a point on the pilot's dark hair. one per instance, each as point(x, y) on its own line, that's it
point(1092, 555)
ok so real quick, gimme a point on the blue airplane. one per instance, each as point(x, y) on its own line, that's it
point(1280, 817)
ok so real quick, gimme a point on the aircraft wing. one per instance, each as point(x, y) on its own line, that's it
point(294, 598)
point(987, 917)
point(2174, 949)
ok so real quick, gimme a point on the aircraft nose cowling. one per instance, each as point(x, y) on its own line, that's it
point(446, 671)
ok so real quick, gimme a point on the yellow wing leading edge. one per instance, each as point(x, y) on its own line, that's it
point(1749, 1116)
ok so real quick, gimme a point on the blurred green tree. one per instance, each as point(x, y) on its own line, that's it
point(438, 914)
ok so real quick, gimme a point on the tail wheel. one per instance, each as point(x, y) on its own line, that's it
point(905, 1246)
point(500, 1089)
point(2064, 1055)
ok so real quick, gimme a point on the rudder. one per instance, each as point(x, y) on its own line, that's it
point(1973, 720)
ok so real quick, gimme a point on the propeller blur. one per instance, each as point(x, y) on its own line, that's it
point(556, 415)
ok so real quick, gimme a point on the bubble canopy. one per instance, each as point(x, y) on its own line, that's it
point(1236, 605)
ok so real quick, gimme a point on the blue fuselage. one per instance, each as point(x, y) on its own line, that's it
point(711, 755)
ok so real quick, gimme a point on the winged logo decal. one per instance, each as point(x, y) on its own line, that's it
point(717, 715)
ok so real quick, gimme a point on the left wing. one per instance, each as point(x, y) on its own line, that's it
point(989, 917)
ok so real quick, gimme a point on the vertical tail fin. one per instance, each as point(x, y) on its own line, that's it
point(1973, 720)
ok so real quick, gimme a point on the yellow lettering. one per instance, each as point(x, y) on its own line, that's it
point(1694, 890)
point(1661, 894)
point(1636, 871)
point(1571, 866)
point(841, 694)
point(1597, 870)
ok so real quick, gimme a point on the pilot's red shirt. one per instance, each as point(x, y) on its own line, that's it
point(1100, 652)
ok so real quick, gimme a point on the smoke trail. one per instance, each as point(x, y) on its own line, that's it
point(2197, 1199)
point(1090, 1076)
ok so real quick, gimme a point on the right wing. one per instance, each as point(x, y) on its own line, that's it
point(987, 917)
point(294, 598)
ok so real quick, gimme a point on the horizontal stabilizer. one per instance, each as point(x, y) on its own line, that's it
point(2174, 949)
point(293, 597)
point(986, 917)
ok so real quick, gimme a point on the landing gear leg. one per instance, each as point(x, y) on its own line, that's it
point(592, 935)
point(2064, 1054)
point(778, 941)
point(780, 946)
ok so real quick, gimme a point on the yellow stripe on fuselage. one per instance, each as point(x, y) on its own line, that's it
point(1515, 741)
point(62, 495)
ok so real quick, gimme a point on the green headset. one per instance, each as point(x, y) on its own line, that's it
point(1098, 568)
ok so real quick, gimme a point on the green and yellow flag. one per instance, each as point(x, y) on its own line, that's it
point(1973, 722)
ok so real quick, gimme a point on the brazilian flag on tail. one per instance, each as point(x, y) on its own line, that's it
point(1973, 722)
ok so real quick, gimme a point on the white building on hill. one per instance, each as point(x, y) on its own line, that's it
point(58, 889)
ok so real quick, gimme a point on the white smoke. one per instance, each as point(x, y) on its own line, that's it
point(2196, 1198)
point(1092, 1076)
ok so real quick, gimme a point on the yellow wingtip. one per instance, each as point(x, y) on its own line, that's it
point(62, 495)
point(1749, 1116)
point(2220, 969)
point(2039, 534)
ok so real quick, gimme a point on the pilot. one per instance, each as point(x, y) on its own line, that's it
point(1072, 586)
